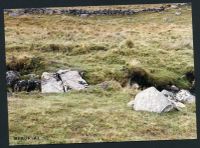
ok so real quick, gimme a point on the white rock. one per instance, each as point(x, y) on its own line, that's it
point(174, 6)
point(135, 86)
point(72, 80)
point(178, 13)
point(14, 14)
point(152, 100)
point(131, 103)
point(84, 15)
point(174, 88)
point(177, 105)
point(185, 96)
point(50, 84)
point(62, 81)
point(168, 94)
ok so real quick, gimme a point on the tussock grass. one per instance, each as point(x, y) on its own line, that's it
point(70, 49)
point(25, 64)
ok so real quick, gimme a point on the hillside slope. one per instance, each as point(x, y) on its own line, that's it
point(106, 48)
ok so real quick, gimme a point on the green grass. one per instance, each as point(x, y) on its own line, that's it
point(93, 116)
point(160, 42)
point(106, 48)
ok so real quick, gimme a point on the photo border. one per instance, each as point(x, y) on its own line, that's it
point(13, 4)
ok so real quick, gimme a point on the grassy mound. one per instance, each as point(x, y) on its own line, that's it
point(25, 65)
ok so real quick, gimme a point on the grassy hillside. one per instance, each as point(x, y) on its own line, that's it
point(106, 48)
point(160, 43)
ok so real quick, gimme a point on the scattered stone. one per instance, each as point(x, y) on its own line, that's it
point(172, 98)
point(174, 6)
point(178, 105)
point(84, 15)
point(152, 100)
point(130, 104)
point(49, 11)
point(135, 86)
point(14, 14)
point(168, 94)
point(178, 13)
point(184, 96)
point(57, 11)
point(172, 88)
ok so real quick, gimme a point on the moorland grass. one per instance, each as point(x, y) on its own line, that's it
point(158, 46)
point(93, 115)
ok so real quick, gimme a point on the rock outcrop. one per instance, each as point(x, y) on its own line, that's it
point(185, 96)
point(72, 79)
point(27, 85)
point(172, 98)
point(62, 81)
point(50, 83)
point(152, 100)
point(168, 94)
point(11, 78)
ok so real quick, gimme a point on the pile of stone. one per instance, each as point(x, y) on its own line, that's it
point(152, 100)
point(16, 84)
point(62, 81)
point(12, 77)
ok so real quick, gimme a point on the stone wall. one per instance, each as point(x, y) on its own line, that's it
point(83, 12)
